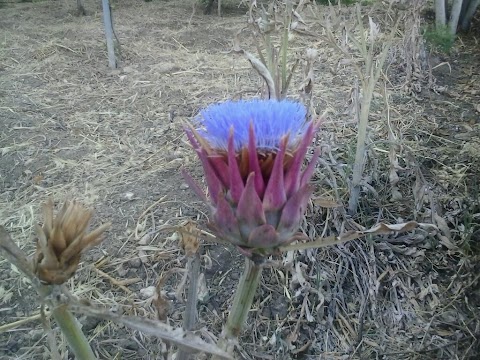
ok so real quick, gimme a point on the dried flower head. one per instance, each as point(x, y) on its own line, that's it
point(252, 154)
point(61, 241)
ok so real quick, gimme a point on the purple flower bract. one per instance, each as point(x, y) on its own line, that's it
point(252, 154)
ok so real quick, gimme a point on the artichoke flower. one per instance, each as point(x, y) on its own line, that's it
point(252, 154)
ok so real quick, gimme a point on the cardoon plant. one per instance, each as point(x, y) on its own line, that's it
point(252, 154)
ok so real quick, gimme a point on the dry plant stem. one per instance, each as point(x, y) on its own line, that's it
point(70, 328)
point(16, 256)
point(360, 151)
point(192, 297)
point(369, 79)
point(190, 316)
point(51, 338)
point(284, 48)
point(241, 305)
point(368, 76)
point(7, 327)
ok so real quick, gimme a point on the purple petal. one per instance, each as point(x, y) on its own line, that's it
point(307, 174)
point(213, 182)
point(192, 139)
point(293, 211)
point(292, 177)
point(254, 165)
point(197, 141)
point(236, 182)
point(275, 196)
point(221, 168)
point(264, 236)
point(250, 212)
point(225, 221)
point(193, 185)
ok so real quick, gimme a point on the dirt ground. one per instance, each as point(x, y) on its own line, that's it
point(112, 139)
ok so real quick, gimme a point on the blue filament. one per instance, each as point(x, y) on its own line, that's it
point(271, 119)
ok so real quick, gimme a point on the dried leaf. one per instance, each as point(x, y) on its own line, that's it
point(162, 306)
point(297, 275)
point(326, 202)
point(263, 72)
point(446, 236)
point(142, 255)
point(378, 229)
point(374, 29)
point(189, 239)
point(396, 194)
point(179, 337)
point(14, 254)
point(419, 190)
point(202, 289)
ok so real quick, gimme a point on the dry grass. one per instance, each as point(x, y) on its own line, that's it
point(113, 140)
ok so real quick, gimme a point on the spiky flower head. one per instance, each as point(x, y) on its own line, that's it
point(252, 154)
point(61, 241)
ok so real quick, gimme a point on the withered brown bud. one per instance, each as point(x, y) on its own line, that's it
point(61, 241)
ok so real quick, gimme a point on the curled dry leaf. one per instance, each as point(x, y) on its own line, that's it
point(61, 241)
point(263, 72)
point(378, 229)
point(162, 306)
point(189, 239)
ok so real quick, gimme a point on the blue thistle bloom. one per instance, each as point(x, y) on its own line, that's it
point(271, 120)
point(252, 154)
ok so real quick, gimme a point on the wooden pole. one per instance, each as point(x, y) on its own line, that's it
point(109, 34)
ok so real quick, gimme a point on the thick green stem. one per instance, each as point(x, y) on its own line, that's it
point(72, 332)
point(242, 304)
point(69, 326)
